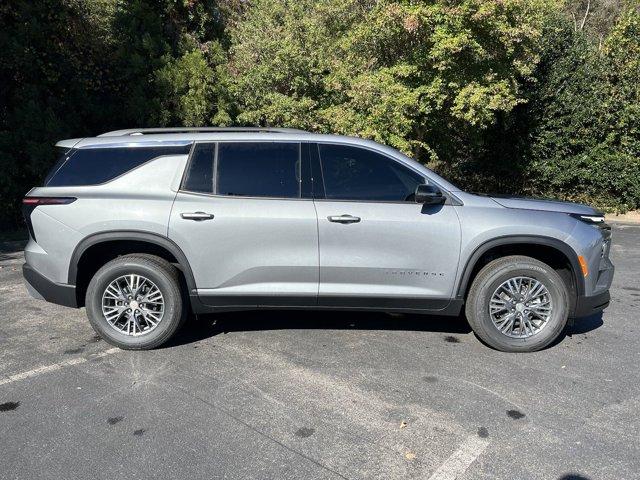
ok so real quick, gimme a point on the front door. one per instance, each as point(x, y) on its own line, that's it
point(242, 220)
point(378, 248)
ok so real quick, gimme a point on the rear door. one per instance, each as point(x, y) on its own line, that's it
point(246, 223)
point(378, 248)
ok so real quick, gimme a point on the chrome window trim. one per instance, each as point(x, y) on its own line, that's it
point(451, 198)
point(236, 197)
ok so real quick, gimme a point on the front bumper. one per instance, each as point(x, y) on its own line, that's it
point(586, 306)
point(42, 288)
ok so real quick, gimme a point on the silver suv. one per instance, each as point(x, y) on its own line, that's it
point(143, 226)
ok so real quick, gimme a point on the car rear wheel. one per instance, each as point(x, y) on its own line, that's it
point(134, 302)
point(518, 304)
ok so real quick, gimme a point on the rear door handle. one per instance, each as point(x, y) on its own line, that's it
point(343, 219)
point(197, 216)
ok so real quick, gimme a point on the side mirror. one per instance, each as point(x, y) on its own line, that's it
point(429, 195)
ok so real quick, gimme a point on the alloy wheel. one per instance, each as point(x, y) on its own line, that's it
point(133, 305)
point(521, 307)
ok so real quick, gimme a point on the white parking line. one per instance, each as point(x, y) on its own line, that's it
point(56, 366)
point(461, 459)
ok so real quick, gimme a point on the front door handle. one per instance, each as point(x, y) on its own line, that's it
point(197, 216)
point(343, 219)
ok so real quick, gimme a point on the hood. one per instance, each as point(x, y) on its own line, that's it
point(546, 205)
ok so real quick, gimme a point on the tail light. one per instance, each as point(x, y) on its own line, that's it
point(35, 201)
point(30, 203)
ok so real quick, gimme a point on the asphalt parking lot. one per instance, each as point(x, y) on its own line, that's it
point(310, 395)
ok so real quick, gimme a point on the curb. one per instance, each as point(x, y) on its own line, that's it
point(629, 219)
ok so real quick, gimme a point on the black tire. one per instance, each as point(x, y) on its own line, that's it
point(166, 278)
point(486, 283)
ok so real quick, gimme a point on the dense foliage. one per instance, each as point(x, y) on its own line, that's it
point(517, 96)
point(585, 123)
point(404, 73)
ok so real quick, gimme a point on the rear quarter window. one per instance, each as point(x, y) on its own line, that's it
point(92, 166)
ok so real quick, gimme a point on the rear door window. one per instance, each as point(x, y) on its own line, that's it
point(259, 169)
point(92, 166)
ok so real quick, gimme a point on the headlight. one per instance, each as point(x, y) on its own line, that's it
point(593, 219)
point(597, 221)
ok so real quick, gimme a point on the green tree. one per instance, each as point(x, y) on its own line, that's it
point(53, 84)
point(73, 68)
point(417, 75)
point(166, 52)
point(585, 134)
point(192, 88)
point(535, 96)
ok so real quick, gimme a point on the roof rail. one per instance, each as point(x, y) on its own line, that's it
point(148, 131)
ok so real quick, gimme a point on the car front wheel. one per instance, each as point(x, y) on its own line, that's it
point(518, 304)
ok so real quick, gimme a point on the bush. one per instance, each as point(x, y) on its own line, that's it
point(415, 75)
point(585, 121)
point(503, 96)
